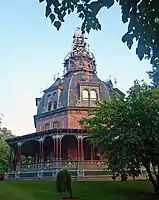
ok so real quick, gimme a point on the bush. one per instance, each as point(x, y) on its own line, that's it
point(2, 174)
point(63, 182)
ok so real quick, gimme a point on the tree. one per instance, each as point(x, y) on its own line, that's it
point(128, 129)
point(142, 17)
point(4, 148)
point(5, 133)
point(154, 76)
point(4, 155)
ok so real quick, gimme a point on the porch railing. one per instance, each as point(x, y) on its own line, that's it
point(88, 169)
point(86, 164)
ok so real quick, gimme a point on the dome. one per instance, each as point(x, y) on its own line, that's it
point(71, 87)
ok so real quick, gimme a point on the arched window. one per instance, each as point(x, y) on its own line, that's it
point(93, 98)
point(49, 106)
point(55, 101)
point(85, 97)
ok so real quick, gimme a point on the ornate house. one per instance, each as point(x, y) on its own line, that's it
point(60, 140)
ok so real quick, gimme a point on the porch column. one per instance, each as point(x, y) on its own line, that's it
point(60, 156)
point(92, 152)
point(41, 149)
point(82, 150)
point(19, 153)
point(10, 159)
point(54, 149)
point(57, 148)
point(79, 149)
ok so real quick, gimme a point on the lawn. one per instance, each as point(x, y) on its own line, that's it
point(44, 190)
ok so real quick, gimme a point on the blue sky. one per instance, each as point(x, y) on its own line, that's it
point(32, 51)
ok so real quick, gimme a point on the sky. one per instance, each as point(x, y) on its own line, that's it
point(32, 51)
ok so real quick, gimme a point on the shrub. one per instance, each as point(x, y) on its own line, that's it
point(63, 182)
point(2, 173)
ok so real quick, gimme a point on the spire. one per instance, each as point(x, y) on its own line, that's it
point(79, 44)
point(80, 58)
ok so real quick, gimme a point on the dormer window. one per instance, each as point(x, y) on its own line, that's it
point(93, 98)
point(89, 97)
point(54, 101)
point(49, 106)
point(85, 97)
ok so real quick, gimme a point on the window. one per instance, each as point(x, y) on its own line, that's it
point(93, 95)
point(49, 106)
point(55, 104)
point(55, 124)
point(48, 103)
point(55, 101)
point(93, 98)
point(85, 97)
point(47, 126)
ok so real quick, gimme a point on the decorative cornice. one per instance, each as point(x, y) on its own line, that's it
point(68, 108)
point(88, 83)
point(41, 135)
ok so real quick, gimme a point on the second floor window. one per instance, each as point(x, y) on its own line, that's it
point(55, 124)
point(47, 126)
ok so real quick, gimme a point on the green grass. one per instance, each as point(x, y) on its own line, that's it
point(44, 190)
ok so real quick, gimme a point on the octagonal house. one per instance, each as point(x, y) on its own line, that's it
point(60, 140)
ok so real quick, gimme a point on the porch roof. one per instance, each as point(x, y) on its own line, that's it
point(44, 133)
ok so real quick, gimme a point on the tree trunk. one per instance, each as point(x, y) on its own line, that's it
point(152, 180)
point(71, 193)
point(157, 182)
point(133, 177)
point(157, 189)
point(153, 166)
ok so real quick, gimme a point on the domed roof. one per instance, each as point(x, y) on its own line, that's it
point(79, 74)
point(70, 89)
point(70, 94)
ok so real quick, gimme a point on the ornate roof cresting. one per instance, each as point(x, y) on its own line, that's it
point(80, 57)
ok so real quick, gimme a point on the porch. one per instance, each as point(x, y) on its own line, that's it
point(55, 151)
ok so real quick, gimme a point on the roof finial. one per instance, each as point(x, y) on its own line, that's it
point(115, 81)
point(54, 77)
point(41, 91)
point(110, 77)
point(58, 74)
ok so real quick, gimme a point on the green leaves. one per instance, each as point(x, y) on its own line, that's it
point(140, 15)
point(128, 129)
point(57, 24)
point(52, 17)
point(140, 53)
point(48, 11)
point(109, 3)
point(154, 75)
point(4, 148)
point(128, 38)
